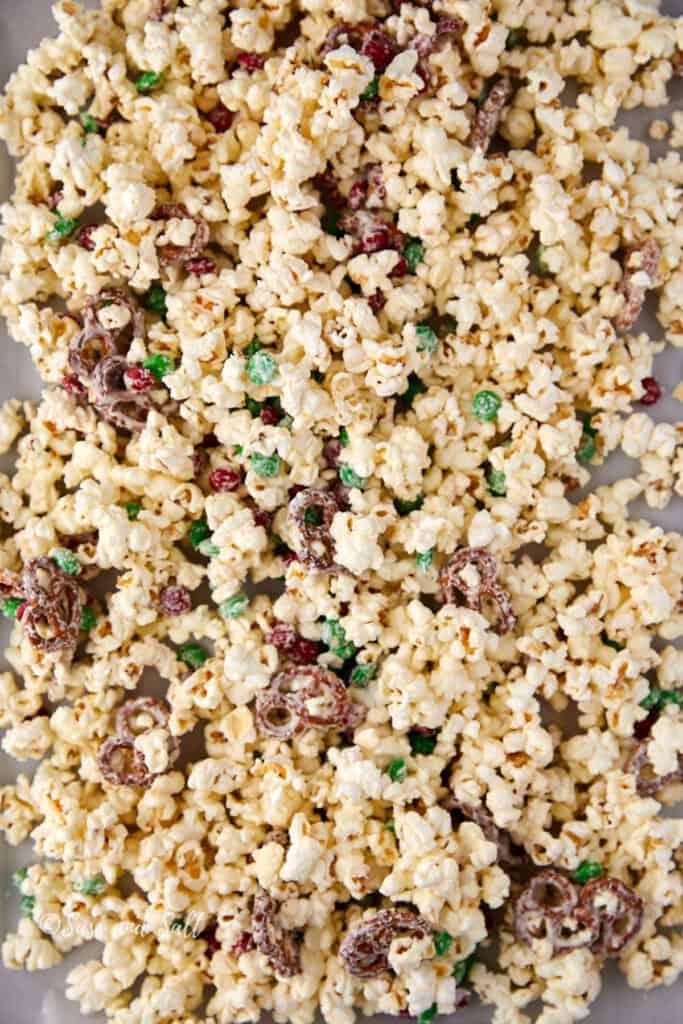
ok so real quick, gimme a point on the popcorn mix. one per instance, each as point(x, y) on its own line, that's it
point(335, 678)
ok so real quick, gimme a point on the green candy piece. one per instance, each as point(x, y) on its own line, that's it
point(155, 300)
point(234, 606)
point(350, 478)
point(611, 643)
point(424, 559)
point(255, 345)
point(265, 465)
point(587, 449)
point(10, 606)
point(428, 339)
point(91, 886)
point(497, 482)
point(344, 437)
point(89, 124)
point(18, 877)
point(442, 942)
point(27, 906)
point(253, 406)
point(462, 969)
point(657, 699)
point(261, 368)
point(390, 826)
point(414, 254)
point(405, 507)
point(334, 636)
point(516, 36)
point(587, 870)
point(485, 405)
point(397, 770)
point(362, 675)
point(133, 509)
point(148, 80)
point(415, 387)
point(192, 655)
point(420, 744)
point(199, 531)
point(88, 619)
point(427, 1015)
point(63, 227)
point(159, 365)
point(67, 561)
point(208, 548)
point(371, 90)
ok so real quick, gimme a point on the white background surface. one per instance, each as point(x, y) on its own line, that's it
point(38, 998)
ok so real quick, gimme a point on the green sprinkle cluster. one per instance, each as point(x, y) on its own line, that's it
point(62, 228)
point(442, 942)
point(420, 744)
point(334, 636)
point(88, 619)
point(350, 478)
point(148, 80)
point(371, 90)
point(397, 770)
point(344, 437)
point(587, 449)
point(414, 254)
point(199, 532)
point(658, 699)
point(159, 365)
point(10, 606)
point(362, 675)
point(265, 465)
point(405, 507)
point(424, 559)
point(91, 886)
point(486, 405)
point(155, 300)
point(497, 482)
point(192, 655)
point(234, 606)
point(133, 510)
point(427, 339)
point(67, 561)
point(261, 367)
point(462, 969)
point(27, 905)
point(587, 870)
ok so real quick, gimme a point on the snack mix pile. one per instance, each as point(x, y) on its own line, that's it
point(340, 688)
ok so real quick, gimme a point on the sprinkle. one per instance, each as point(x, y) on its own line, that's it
point(428, 339)
point(133, 509)
point(265, 465)
point(148, 80)
point(159, 365)
point(62, 229)
point(485, 405)
point(349, 477)
point(199, 531)
point(10, 606)
point(333, 636)
point(424, 559)
point(67, 561)
point(261, 368)
point(363, 674)
point(155, 300)
point(397, 770)
point(414, 254)
point(192, 655)
point(371, 90)
point(88, 619)
point(234, 606)
point(442, 942)
point(587, 870)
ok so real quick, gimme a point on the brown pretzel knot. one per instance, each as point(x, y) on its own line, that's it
point(120, 761)
point(52, 617)
point(365, 951)
point(310, 514)
point(95, 341)
point(276, 943)
point(283, 713)
point(125, 409)
point(454, 585)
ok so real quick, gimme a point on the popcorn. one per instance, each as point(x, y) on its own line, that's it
point(442, 328)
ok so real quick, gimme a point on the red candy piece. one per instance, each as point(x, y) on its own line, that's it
point(224, 479)
point(137, 378)
point(175, 600)
point(652, 389)
point(220, 118)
